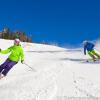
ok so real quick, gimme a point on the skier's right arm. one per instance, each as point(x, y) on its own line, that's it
point(85, 50)
point(5, 51)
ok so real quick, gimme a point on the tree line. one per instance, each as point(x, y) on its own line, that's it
point(7, 34)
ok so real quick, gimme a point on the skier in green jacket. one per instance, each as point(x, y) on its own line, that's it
point(16, 54)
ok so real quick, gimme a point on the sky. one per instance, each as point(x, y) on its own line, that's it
point(64, 22)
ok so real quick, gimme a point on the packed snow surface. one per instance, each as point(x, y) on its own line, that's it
point(55, 74)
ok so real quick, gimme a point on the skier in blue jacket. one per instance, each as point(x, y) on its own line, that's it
point(89, 47)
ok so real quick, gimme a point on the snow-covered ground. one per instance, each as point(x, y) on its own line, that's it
point(60, 74)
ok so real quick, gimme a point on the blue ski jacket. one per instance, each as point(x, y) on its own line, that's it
point(88, 46)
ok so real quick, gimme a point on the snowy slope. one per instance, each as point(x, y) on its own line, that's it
point(60, 74)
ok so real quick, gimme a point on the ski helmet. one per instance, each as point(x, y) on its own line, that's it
point(17, 41)
point(84, 42)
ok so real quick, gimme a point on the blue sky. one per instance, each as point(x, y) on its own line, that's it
point(61, 21)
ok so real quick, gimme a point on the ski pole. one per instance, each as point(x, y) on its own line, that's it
point(29, 67)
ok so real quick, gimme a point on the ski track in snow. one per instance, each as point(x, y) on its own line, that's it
point(41, 86)
point(83, 87)
point(86, 87)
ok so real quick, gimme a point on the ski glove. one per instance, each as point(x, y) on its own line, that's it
point(22, 61)
point(84, 53)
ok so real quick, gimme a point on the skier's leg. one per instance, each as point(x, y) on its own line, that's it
point(96, 54)
point(91, 55)
point(8, 67)
point(2, 66)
